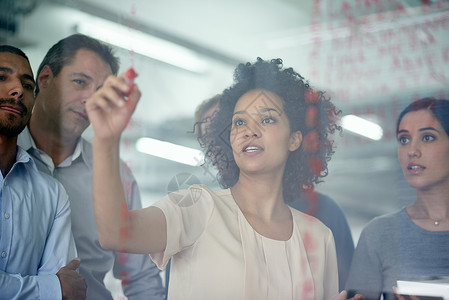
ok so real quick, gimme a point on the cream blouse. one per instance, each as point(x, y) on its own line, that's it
point(216, 254)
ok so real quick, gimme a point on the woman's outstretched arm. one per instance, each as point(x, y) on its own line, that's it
point(138, 231)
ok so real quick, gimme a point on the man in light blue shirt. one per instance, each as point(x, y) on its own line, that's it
point(35, 236)
point(72, 70)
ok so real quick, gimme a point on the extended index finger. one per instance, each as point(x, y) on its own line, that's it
point(133, 98)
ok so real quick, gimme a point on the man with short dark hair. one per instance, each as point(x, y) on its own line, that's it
point(72, 70)
point(35, 236)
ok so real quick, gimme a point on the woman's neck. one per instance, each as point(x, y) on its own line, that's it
point(435, 202)
point(263, 206)
point(259, 195)
point(431, 209)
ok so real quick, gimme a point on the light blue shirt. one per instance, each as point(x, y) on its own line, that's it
point(35, 235)
point(140, 276)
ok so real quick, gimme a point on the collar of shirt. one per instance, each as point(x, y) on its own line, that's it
point(22, 157)
point(27, 142)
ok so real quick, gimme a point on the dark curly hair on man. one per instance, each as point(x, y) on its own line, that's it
point(307, 110)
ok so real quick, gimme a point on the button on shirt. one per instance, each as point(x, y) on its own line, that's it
point(140, 277)
point(35, 236)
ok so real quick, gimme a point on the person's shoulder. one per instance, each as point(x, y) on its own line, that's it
point(308, 222)
point(383, 224)
point(45, 186)
point(35, 174)
point(195, 201)
point(51, 182)
point(315, 201)
point(37, 177)
point(386, 218)
point(190, 196)
point(216, 195)
point(222, 193)
point(322, 207)
point(87, 152)
point(202, 195)
point(327, 202)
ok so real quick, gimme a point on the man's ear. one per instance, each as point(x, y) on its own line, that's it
point(44, 77)
point(295, 140)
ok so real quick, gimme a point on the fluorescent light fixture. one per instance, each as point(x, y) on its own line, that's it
point(178, 153)
point(142, 43)
point(362, 127)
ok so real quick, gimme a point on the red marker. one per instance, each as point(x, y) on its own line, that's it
point(131, 74)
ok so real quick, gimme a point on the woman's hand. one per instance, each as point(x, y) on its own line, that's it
point(343, 296)
point(111, 107)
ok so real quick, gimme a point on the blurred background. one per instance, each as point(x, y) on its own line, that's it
point(372, 57)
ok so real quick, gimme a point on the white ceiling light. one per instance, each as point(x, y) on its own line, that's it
point(142, 43)
point(362, 127)
point(178, 153)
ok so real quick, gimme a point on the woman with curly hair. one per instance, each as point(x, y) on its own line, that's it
point(270, 140)
point(307, 111)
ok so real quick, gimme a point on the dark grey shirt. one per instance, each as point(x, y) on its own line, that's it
point(391, 248)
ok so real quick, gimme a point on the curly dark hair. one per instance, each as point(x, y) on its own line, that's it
point(307, 110)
